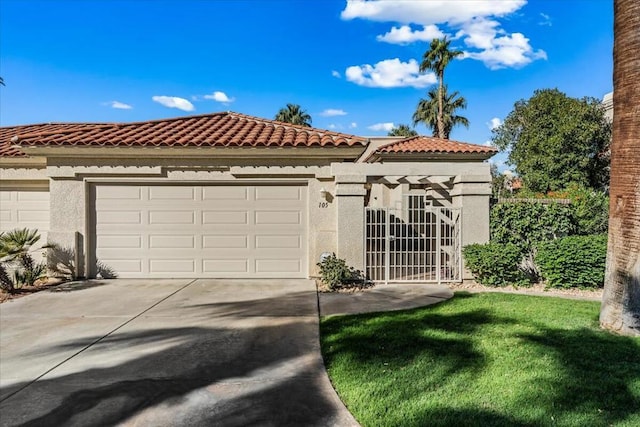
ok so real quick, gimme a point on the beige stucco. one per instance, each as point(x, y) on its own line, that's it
point(337, 192)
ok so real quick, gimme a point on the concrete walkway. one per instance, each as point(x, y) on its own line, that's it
point(166, 353)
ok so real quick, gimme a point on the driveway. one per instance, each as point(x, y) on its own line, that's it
point(166, 353)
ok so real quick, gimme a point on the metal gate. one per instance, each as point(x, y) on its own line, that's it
point(416, 242)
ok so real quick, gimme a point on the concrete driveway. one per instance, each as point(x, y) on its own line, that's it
point(166, 353)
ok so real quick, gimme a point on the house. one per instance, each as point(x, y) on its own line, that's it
point(227, 195)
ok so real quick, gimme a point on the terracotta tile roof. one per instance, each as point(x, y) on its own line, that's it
point(427, 144)
point(9, 132)
point(211, 130)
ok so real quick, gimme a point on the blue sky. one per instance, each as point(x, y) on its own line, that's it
point(352, 65)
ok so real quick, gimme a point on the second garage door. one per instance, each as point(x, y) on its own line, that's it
point(231, 231)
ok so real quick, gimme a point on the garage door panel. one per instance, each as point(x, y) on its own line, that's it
point(278, 193)
point(172, 266)
point(225, 242)
point(172, 193)
point(33, 216)
point(119, 241)
point(277, 242)
point(118, 217)
point(225, 217)
point(25, 209)
point(273, 265)
point(172, 217)
point(225, 193)
point(32, 196)
point(172, 242)
point(223, 266)
point(278, 217)
point(119, 192)
point(202, 231)
point(123, 266)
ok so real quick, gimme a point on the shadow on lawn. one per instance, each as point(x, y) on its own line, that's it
point(197, 375)
point(397, 339)
point(593, 364)
point(595, 378)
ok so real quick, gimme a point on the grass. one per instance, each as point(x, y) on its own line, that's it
point(488, 359)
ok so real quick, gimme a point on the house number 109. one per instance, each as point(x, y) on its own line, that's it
point(323, 205)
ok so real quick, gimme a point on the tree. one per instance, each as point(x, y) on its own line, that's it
point(554, 140)
point(427, 111)
point(620, 310)
point(436, 59)
point(402, 130)
point(294, 114)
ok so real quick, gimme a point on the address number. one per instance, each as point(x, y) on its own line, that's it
point(323, 205)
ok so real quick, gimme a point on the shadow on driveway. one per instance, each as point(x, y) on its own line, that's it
point(189, 369)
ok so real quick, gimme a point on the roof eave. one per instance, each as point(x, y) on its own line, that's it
point(437, 156)
point(342, 152)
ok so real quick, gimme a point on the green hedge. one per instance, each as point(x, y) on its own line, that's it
point(526, 224)
point(495, 264)
point(573, 262)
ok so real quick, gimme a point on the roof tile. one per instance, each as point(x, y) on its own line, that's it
point(426, 144)
point(226, 129)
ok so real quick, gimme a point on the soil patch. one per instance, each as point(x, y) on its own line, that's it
point(536, 289)
point(40, 285)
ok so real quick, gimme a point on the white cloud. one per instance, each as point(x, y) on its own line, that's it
point(494, 123)
point(475, 23)
point(335, 74)
point(353, 125)
point(390, 73)
point(404, 34)
point(174, 102)
point(427, 12)
point(332, 126)
point(219, 97)
point(381, 127)
point(512, 51)
point(118, 105)
point(546, 20)
point(332, 112)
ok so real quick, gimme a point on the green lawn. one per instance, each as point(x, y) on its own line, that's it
point(486, 359)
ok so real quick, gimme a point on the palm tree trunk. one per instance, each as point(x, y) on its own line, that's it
point(441, 107)
point(620, 310)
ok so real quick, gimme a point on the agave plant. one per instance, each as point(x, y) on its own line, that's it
point(16, 247)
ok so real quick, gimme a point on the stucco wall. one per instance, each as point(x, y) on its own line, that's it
point(335, 217)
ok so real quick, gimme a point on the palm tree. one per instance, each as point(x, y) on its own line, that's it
point(294, 114)
point(436, 59)
point(620, 310)
point(402, 130)
point(427, 111)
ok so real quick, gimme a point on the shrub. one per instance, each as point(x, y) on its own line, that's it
point(573, 262)
point(526, 224)
point(495, 264)
point(590, 210)
point(15, 255)
point(336, 274)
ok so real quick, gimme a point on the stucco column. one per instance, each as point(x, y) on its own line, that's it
point(67, 220)
point(472, 194)
point(350, 194)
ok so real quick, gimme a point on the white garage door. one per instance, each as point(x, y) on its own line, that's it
point(27, 208)
point(24, 209)
point(201, 231)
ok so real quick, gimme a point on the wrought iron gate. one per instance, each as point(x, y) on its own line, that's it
point(416, 242)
